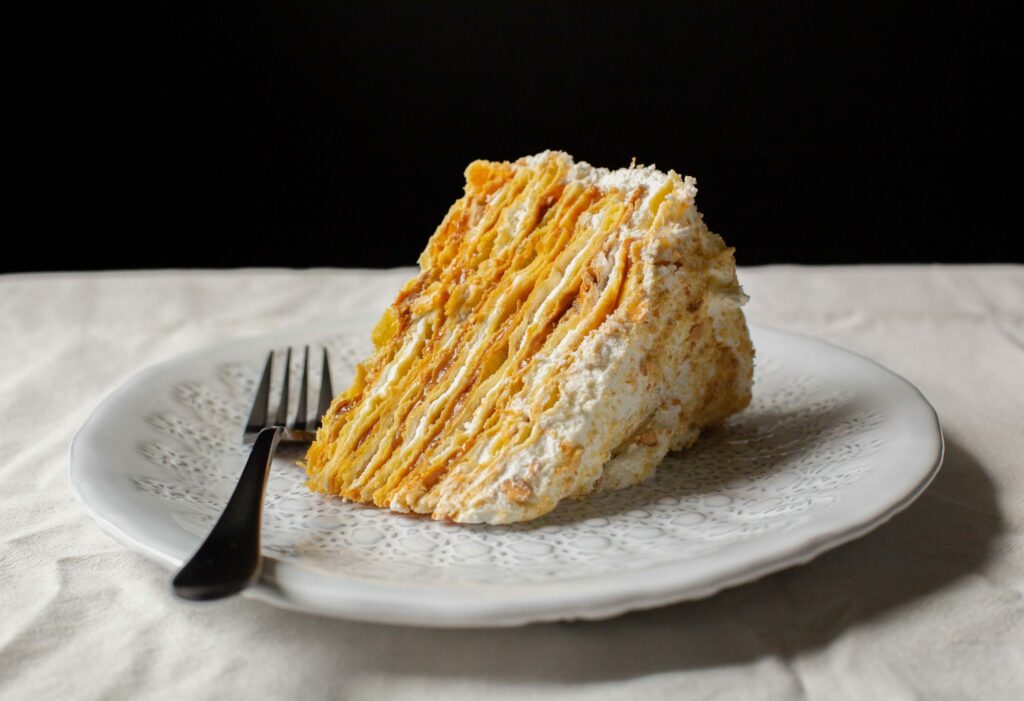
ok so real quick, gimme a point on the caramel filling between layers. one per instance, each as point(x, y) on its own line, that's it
point(520, 271)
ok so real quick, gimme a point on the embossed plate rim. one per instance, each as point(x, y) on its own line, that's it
point(292, 586)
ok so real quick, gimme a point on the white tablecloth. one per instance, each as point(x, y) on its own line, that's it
point(931, 605)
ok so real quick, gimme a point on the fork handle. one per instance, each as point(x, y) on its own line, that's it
point(229, 559)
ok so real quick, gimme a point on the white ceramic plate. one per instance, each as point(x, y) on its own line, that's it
point(832, 446)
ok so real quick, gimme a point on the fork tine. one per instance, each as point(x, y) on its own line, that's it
point(301, 412)
point(260, 404)
point(282, 407)
point(326, 391)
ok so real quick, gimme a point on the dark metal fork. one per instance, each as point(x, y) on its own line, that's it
point(229, 559)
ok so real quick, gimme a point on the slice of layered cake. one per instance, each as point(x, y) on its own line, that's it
point(569, 326)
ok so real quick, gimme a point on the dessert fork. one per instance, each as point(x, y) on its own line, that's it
point(229, 559)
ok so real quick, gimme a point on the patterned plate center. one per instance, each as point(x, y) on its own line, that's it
point(768, 468)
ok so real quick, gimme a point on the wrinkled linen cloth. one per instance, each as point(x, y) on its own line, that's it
point(927, 606)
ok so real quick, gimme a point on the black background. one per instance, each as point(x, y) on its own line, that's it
point(336, 134)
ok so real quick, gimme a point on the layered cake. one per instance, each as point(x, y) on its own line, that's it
point(569, 326)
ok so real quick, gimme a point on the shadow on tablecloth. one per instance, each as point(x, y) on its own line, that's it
point(942, 538)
